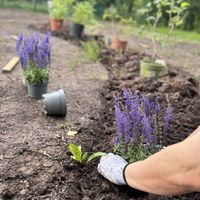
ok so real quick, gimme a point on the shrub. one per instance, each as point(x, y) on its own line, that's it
point(141, 126)
point(83, 13)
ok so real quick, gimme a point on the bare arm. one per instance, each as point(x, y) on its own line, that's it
point(174, 170)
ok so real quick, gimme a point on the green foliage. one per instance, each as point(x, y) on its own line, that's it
point(36, 75)
point(83, 157)
point(61, 8)
point(92, 50)
point(155, 10)
point(111, 14)
point(83, 13)
point(136, 152)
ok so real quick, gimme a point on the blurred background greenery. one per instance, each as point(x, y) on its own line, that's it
point(126, 8)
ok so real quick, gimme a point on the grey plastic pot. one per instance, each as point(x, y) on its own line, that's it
point(152, 69)
point(37, 90)
point(54, 103)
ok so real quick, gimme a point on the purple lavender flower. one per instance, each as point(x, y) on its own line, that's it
point(167, 119)
point(147, 130)
point(34, 50)
point(147, 106)
point(139, 121)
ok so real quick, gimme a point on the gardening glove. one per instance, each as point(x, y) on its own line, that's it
point(112, 168)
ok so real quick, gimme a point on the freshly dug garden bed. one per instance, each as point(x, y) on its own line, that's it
point(179, 88)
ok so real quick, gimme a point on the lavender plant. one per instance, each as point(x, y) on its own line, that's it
point(34, 53)
point(141, 126)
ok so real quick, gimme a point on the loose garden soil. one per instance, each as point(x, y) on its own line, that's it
point(34, 161)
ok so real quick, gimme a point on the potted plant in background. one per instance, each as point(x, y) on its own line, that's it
point(57, 14)
point(112, 15)
point(142, 126)
point(34, 52)
point(176, 11)
point(83, 14)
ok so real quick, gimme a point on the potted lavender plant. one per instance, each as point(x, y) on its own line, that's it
point(141, 126)
point(34, 53)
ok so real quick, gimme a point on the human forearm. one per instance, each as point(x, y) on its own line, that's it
point(164, 173)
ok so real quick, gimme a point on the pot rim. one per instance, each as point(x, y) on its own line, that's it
point(63, 101)
point(37, 84)
point(153, 65)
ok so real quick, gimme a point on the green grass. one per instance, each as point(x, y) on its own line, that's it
point(181, 36)
point(177, 35)
point(41, 6)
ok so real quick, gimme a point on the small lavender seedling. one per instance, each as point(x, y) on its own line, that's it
point(141, 126)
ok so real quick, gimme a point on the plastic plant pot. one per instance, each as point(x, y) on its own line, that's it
point(77, 30)
point(54, 103)
point(118, 45)
point(151, 69)
point(108, 41)
point(24, 81)
point(37, 90)
point(56, 24)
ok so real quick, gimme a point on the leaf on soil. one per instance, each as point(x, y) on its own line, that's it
point(72, 133)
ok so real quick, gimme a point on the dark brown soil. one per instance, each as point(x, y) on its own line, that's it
point(34, 162)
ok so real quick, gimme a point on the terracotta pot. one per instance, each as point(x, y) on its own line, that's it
point(118, 44)
point(56, 24)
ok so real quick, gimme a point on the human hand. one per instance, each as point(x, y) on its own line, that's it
point(112, 168)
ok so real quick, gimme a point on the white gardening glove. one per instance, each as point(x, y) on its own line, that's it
point(112, 168)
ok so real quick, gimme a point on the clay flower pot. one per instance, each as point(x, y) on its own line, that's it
point(54, 103)
point(77, 30)
point(152, 69)
point(56, 24)
point(117, 44)
point(37, 90)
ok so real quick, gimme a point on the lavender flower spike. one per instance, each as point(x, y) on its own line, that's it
point(34, 50)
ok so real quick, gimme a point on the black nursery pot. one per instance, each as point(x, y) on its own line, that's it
point(77, 30)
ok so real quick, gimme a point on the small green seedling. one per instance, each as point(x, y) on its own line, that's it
point(81, 157)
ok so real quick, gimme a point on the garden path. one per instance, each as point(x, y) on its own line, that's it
point(29, 147)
